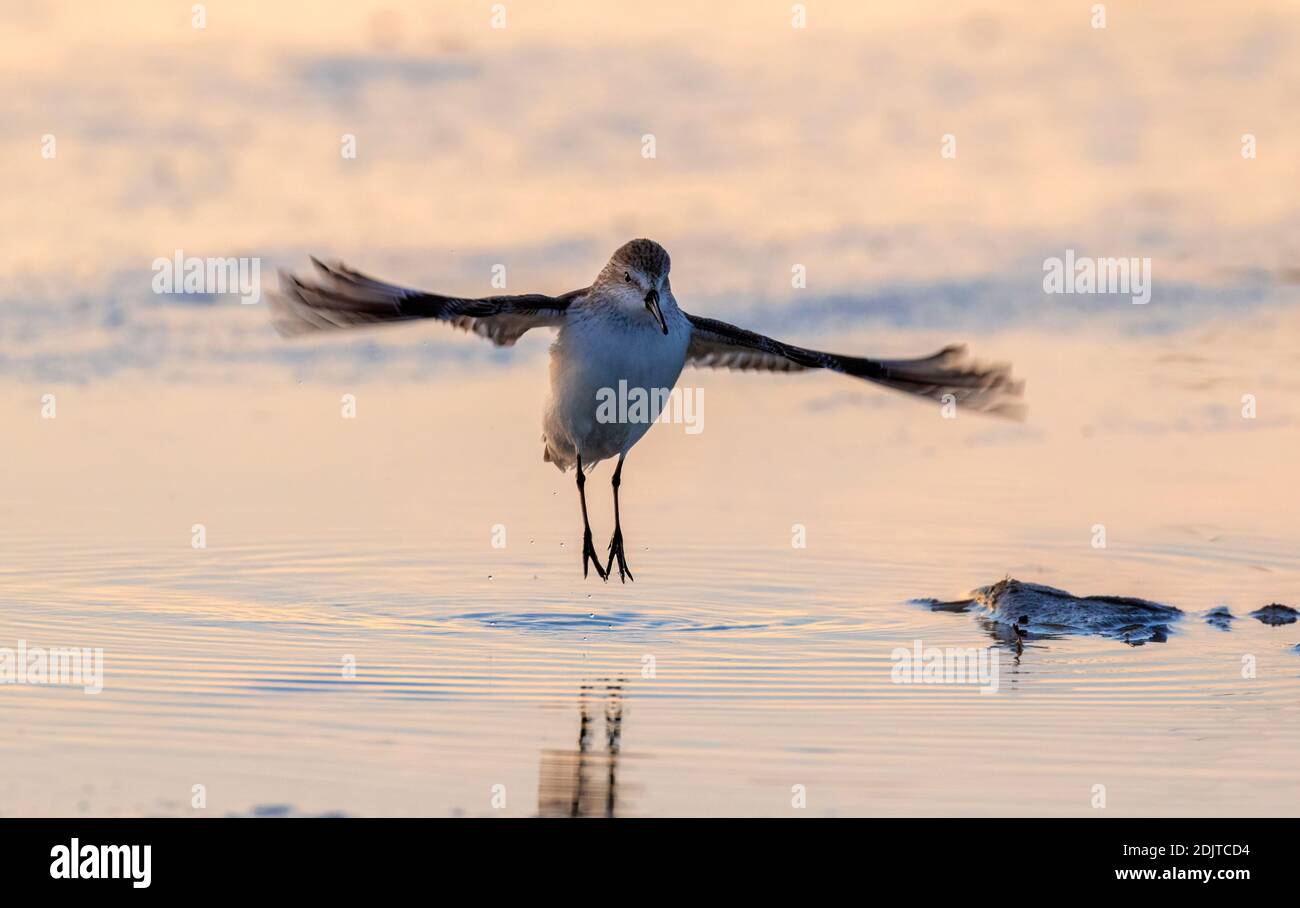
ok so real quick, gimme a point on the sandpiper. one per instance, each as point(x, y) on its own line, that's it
point(625, 327)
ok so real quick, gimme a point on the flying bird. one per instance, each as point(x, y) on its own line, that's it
point(625, 327)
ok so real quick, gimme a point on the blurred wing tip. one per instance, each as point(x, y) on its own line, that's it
point(333, 268)
point(288, 307)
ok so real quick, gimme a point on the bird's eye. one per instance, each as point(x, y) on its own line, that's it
point(627, 277)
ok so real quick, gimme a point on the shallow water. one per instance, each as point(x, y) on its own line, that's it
point(736, 667)
point(229, 674)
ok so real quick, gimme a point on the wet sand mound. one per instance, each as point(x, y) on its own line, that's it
point(1276, 614)
point(1221, 617)
point(1035, 610)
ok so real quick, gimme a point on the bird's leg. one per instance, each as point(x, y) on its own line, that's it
point(616, 543)
point(588, 550)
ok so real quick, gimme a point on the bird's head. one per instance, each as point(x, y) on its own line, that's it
point(636, 278)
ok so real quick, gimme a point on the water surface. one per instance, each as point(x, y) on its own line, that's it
point(736, 667)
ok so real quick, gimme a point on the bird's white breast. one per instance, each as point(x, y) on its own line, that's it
point(595, 351)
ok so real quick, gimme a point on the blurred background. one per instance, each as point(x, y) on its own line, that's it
point(522, 146)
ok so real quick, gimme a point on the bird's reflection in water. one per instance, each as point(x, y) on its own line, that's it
point(584, 782)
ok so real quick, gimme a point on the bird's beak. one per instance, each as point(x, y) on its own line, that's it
point(652, 304)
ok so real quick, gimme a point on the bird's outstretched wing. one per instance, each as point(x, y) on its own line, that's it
point(338, 297)
point(988, 388)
